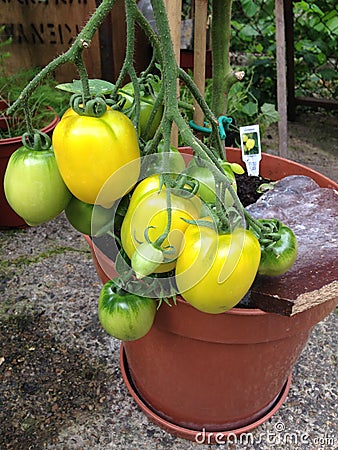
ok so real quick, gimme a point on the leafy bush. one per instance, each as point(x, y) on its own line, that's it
point(45, 96)
point(315, 46)
point(243, 107)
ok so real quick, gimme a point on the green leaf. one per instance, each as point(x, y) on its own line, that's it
point(270, 114)
point(249, 7)
point(332, 22)
point(250, 108)
point(96, 87)
point(328, 74)
point(259, 48)
point(247, 32)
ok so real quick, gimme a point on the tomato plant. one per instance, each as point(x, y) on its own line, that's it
point(147, 211)
point(33, 185)
point(124, 315)
point(215, 271)
point(86, 218)
point(97, 152)
point(148, 97)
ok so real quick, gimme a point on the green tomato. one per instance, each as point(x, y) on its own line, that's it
point(155, 163)
point(206, 181)
point(277, 256)
point(146, 259)
point(146, 107)
point(124, 315)
point(34, 187)
point(88, 219)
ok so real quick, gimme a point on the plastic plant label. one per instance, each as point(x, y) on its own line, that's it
point(251, 148)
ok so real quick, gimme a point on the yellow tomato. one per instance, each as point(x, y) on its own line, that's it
point(148, 211)
point(214, 272)
point(98, 157)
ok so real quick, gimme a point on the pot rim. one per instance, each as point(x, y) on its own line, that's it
point(318, 177)
point(234, 311)
point(238, 311)
point(17, 139)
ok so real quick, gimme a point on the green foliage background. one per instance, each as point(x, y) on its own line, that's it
point(315, 46)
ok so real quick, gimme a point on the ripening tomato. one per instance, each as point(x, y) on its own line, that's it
point(98, 157)
point(214, 272)
point(33, 185)
point(148, 211)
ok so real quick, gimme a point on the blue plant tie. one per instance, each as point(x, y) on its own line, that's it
point(223, 126)
point(196, 127)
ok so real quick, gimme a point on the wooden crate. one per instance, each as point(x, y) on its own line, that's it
point(43, 30)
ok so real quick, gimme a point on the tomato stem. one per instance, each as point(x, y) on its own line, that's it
point(267, 231)
point(81, 42)
point(36, 140)
point(166, 181)
point(81, 68)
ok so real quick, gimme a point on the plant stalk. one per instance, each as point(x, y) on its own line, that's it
point(223, 75)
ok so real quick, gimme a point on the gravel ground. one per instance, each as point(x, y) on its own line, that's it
point(312, 140)
point(61, 386)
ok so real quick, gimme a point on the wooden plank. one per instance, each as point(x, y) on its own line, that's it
point(329, 103)
point(290, 58)
point(174, 8)
point(43, 30)
point(281, 78)
point(200, 46)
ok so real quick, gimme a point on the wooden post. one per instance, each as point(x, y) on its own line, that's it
point(281, 79)
point(200, 46)
point(290, 55)
point(174, 8)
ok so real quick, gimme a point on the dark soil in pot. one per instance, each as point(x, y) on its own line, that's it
point(248, 188)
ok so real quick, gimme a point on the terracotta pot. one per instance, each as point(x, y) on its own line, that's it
point(275, 168)
point(221, 374)
point(227, 373)
point(8, 218)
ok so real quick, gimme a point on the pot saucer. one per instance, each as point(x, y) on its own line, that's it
point(208, 437)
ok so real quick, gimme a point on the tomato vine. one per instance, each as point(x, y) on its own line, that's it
point(89, 102)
